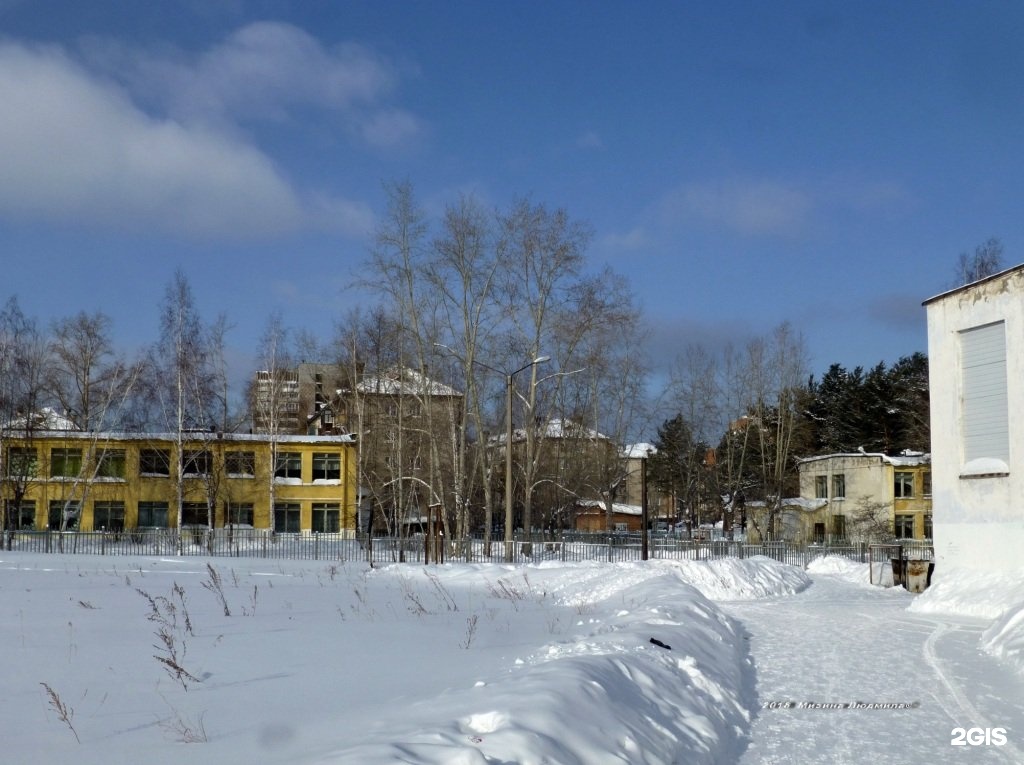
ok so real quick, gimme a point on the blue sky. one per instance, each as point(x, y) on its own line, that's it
point(743, 163)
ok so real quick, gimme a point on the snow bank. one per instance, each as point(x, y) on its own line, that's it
point(610, 692)
point(339, 663)
point(1004, 639)
point(986, 595)
point(969, 592)
point(735, 579)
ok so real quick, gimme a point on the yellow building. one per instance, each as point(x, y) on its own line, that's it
point(862, 496)
point(91, 481)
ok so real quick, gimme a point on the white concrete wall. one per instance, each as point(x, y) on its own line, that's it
point(978, 521)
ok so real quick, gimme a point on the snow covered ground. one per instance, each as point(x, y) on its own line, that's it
point(175, 660)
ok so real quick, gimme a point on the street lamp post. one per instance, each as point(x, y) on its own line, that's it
point(508, 438)
point(643, 506)
point(508, 453)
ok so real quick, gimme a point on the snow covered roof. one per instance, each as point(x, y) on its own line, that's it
point(556, 428)
point(639, 451)
point(907, 458)
point(45, 419)
point(617, 507)
point(795, 503)
point(405, 382)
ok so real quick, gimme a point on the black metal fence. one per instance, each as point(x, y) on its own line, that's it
point(572, 546)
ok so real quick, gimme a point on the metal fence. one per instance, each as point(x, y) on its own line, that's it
point(571, 546)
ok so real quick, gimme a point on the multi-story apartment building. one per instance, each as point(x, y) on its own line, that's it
point(861, 495)
point(81, 480)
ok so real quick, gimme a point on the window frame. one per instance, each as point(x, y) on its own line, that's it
point(61, 457)
point(821, 486)
point(15, 514)
point(73, 515)
point(288, 465)
point(839, 486)
point(152, 509)
point(113, 512)
point(21, 455)
point(899, 486)
point(324, 516)
point(154, 457)
point(239, 514)
point(331, 471)
point(901, 523)
point(240, 458)
point(195, 514)
point(112, 464)
point(196, 462)
point(291, 515)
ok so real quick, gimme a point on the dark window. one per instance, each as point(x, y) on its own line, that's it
point(21, 515)
point(110, 464)
point(286, 518)
point(153, 514)
point(926, 483)
point(194, 514)
point(839, 527)
point(197, 462)
point(839, 486)
point(108, 515)
point(68, 511)
point(904, 527)
point(65, 463)
point(821, 487)
point(903, 485)
point(240, 513)
point(240, 463)
point(326, 466)
point(154, 462)
point(21, 462)
point(326, 518)
point(288, 465)
point(819, 532)
point(928, 526)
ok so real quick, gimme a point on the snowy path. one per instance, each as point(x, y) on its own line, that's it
point(840, 642)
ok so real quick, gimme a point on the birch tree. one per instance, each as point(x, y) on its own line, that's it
point(543, 254)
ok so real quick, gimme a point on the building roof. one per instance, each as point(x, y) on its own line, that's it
point(639, 451)
point(617, 507)
point(45, 419)
point(971, 285)
point(556, 428)
point(192, 437)
point(407, 382)
point(907, 459)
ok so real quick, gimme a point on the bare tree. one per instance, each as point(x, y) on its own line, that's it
point(181, 383)
point(463, 272)
point(24, 367)
point(542, 251)
point(274, 390)
point(777, 369)
point(986, 260)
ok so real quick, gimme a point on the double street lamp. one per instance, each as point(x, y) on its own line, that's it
point(508, 452)
point(508, 438)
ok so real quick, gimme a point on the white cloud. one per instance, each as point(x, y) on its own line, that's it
point(753, 207)
point(76, 147)
point(264, 71)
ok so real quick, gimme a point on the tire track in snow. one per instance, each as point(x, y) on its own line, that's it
point(977, 719)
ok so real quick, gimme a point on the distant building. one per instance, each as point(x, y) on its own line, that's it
point(863, 496)
point(976, 379)
point(88, 481)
